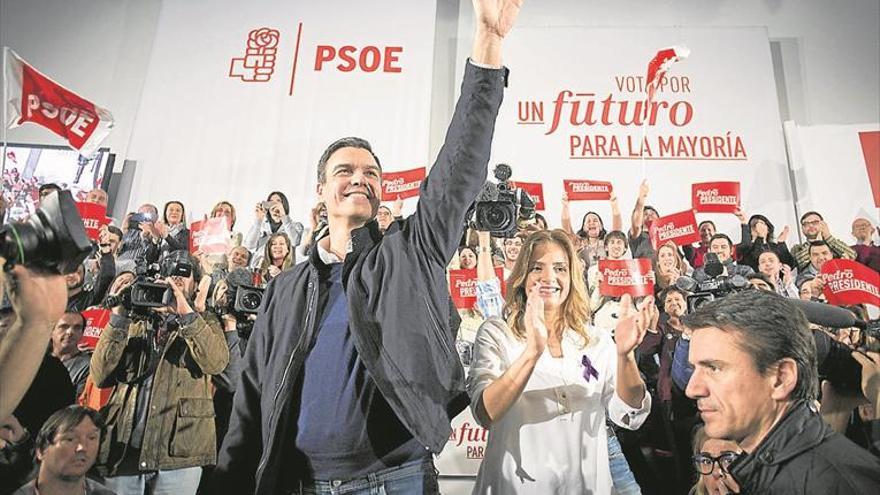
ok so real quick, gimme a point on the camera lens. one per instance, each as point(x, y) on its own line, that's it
point(251, 301)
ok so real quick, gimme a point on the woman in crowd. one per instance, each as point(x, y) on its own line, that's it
point(467, 258)
point(761, 231)
point(277, 257)
point(226, 210)
point(668, 265)
point(542, 376)
point(592, 231)
point(171, 233)
point(272, 217)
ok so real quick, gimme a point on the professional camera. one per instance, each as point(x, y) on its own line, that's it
point(242, 300)
point(699, 293)
point(53, 238)
point(135, 220)
point(149, 289)
point(834, 358)
point(500, 208)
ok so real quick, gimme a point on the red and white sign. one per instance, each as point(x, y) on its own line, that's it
point(404, 184)
point(96, 320)
point(715, 197)
point(38, 99)
point(621, 277)
point(209, 236)
point(586, 190)
point(870, 142)
point(94, 216)
point(535, 190)
point(679, 228)
point(849, 282)
point(463, 286)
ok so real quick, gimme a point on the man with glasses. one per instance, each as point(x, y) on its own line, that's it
point(815, 229)
point(712, 459)
point(755, 381)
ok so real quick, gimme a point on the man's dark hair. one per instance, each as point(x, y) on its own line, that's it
point(115, 231)
point(818, 244)
point(770, 328)
point(805, 215)
point(63, 421)
point(761, 276)
point(614, 234)
point(49, 186)
point(347, 142)
point(722, 236)
point(648, 207)
point(704, 222)
point(80, 315)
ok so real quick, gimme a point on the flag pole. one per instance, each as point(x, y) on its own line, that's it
point(5, 104)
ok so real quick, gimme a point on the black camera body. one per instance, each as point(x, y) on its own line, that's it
point(243, 300)
point(500, 207)
point(149, 289)
point(699, 293)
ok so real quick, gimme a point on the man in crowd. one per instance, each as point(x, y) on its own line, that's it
point(97, 196)
point(755, 382)
point(369, 400)
point(819, 252)
point(65, 341)
point(66, 449)
point(160, 415)
point(867, 252)
point(778, 273)
point(694, 255)
point(642, 218)
point(722, 246)
point(101, 268)
point(815, 229)
point(137, 240)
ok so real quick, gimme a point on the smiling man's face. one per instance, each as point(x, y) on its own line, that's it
point(352, 187)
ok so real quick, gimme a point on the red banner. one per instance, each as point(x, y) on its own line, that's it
point(535, 190)
point(96, 320)
point(621, 277)
point(209, 236)
point(403, 184)
point(42, 101)
point(586, 190)
point(871, 150)
point(94, 216)
point(463, 286)
point(715, 197)
point(680, 228)
point(849, 282)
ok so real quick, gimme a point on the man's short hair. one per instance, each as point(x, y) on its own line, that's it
point(49, 186)
point(614, 234)
point(764, 278)
point(817, 243)
point(115, 231)
point(648, 207)
point(805, 215)
point(704, 222)
point(77, 313)
point(721, 236)
point(346, 142)
point(770, 329)
point(63, 421)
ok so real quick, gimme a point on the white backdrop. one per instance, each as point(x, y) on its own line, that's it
point(202, 136)
point(729, 92)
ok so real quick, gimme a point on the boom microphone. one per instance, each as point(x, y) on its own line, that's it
point(827, 315)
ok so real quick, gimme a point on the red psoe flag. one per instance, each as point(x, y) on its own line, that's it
point(33, 97)
point(621, 277)
point(715, 197)
point(679, 228)
point(849, 282)
point(658, 66)
point(403, 184)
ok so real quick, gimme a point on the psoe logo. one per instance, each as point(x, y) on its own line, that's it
point(258, 63)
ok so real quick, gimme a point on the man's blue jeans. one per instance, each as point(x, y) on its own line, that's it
point(621, 475)
point(410, 478)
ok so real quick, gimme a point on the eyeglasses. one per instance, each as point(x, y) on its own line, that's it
point(811, 222)
point(705, 462)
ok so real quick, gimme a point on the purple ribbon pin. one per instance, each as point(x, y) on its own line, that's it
point(589, 369)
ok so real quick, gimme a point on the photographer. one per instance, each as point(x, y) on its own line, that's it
point(137, 239)
point(755, 382)
point(160, 417)
point(272, 217)
point(722, 246)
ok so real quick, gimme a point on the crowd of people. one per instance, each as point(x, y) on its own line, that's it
point(346, 377)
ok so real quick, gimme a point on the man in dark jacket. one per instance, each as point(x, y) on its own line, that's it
point(755, 382)
point(351, 376)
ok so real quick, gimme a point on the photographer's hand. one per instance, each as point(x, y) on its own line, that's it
point(119, 285)
point(181, 304)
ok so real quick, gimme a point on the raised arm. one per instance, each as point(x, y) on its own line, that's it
point(638, 214)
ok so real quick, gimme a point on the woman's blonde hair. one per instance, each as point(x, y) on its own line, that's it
point(663, 279)
point(575, 310)
point(267, 253)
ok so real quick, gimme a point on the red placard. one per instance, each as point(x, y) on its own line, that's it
point(403, 184)
point(209, 236)
point(621, 277)
point(96, 320)
point(680, 228)
point(849, 282)
point(535, 190)
point(715, 197)
point(94, 216)
point(586, 190)
point(463, 286)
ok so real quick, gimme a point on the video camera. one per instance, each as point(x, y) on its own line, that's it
point(53, 238)
point(699, 293)
point(149, 289)
point(500, 207)
point(243, 299)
